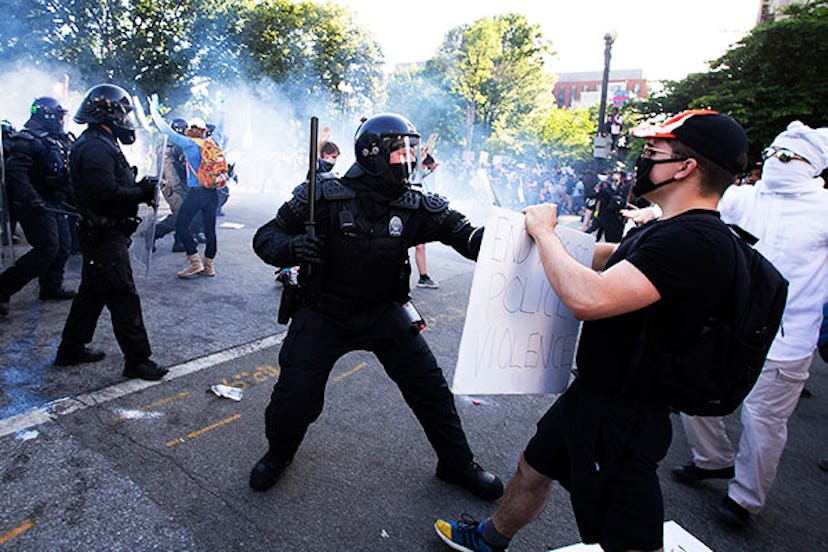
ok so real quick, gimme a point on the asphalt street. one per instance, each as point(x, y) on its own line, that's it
point(91, 461)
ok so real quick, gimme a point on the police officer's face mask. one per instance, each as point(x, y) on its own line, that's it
point(404, 162)
point(124, 135)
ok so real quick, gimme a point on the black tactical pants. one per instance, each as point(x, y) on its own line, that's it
point(313, 344)
point(106, 281)
point(48, 234)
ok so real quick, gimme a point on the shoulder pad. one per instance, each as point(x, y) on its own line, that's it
point(333, 188)
point(434, 203)
point(24, 134)
point(302, 191)
point(409, 200)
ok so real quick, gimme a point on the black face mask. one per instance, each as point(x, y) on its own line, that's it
point(400, 172)
point(124, 135)
point(325, 165)
point(643, 166)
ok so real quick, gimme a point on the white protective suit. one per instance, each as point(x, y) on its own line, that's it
point(786, 210)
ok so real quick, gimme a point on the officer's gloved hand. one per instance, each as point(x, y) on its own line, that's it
point(306, 248)
point(147, 185)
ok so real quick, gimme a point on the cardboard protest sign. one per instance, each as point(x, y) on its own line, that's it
point(518, 336)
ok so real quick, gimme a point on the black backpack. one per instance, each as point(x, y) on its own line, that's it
point(714, 374)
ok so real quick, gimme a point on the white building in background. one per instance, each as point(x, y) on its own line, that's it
point(769, 10)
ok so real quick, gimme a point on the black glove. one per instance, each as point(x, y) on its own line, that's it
point(306, 248)
point(147, 185)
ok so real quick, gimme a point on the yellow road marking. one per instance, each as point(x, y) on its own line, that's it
point(356, 369)
point(157, 403)
point(17, 531)
point(196, 433)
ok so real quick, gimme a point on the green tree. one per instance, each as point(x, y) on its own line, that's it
point(496, 67)
point(311, 48)
point(562, 136)
point(141, 42)
point(413, 92)
point(774, 75)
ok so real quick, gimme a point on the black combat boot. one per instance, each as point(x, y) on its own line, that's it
point(145, 369)
point(474, 479)
point(70, 356)
point(266, 472)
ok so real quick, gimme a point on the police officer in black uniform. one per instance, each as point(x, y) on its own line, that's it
point(174, 187)
point(354, 277)
point(37, 176)
point(108, 197)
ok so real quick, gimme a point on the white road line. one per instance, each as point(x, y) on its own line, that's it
point(67, 405)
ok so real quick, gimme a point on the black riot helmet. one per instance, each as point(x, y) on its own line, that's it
point(48, 113)
point(378, 136)
point(110, 105)
point(179, 125)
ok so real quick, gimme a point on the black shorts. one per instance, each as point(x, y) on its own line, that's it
point(605, 452)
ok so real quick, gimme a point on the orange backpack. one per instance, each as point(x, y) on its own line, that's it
point(213, 171)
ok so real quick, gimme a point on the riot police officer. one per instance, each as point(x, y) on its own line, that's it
point(354, 279)
point(37, 175)
point(108, 197)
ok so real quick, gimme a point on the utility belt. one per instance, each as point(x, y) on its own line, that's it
point(91, 226)
point(293, 297)
point(331, 305)
point(91, 221)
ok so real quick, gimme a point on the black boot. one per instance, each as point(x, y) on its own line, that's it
point(474, 479)
point(691, 473)
point(145, 369)
point(70, 356)
point(266, 472)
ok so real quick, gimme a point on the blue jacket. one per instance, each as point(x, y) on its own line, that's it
point(191, 149)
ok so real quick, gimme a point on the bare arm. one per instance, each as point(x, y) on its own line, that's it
point(588, 294)
point(603, 251)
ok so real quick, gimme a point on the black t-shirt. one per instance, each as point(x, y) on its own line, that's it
point(691, 263)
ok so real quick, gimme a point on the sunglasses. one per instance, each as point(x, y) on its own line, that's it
point(649, 151)
point(784, 155)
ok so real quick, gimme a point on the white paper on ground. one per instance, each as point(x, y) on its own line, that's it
point(676, 539)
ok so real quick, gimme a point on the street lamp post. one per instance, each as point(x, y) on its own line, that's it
point(603, 142)
point(609, 38)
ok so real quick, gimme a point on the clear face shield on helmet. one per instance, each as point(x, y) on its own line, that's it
point(405, 160)
point(124, 127)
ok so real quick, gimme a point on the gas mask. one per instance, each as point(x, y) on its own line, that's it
point(124, 135)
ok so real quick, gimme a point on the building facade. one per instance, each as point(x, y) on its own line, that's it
point(583, 89)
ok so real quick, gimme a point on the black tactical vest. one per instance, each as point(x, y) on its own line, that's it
point(49, 174)
point(366, 260)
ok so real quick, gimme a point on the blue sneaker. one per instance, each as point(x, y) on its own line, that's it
point(463, 535)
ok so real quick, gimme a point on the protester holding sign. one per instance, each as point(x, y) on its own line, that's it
point(603, 438)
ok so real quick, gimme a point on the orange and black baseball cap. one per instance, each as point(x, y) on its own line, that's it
point(714, 135)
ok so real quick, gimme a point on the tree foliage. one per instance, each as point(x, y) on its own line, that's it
point(495, 66)
point(774, 75)
point(430, 106)
point(166, 46)
point(311, 47)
